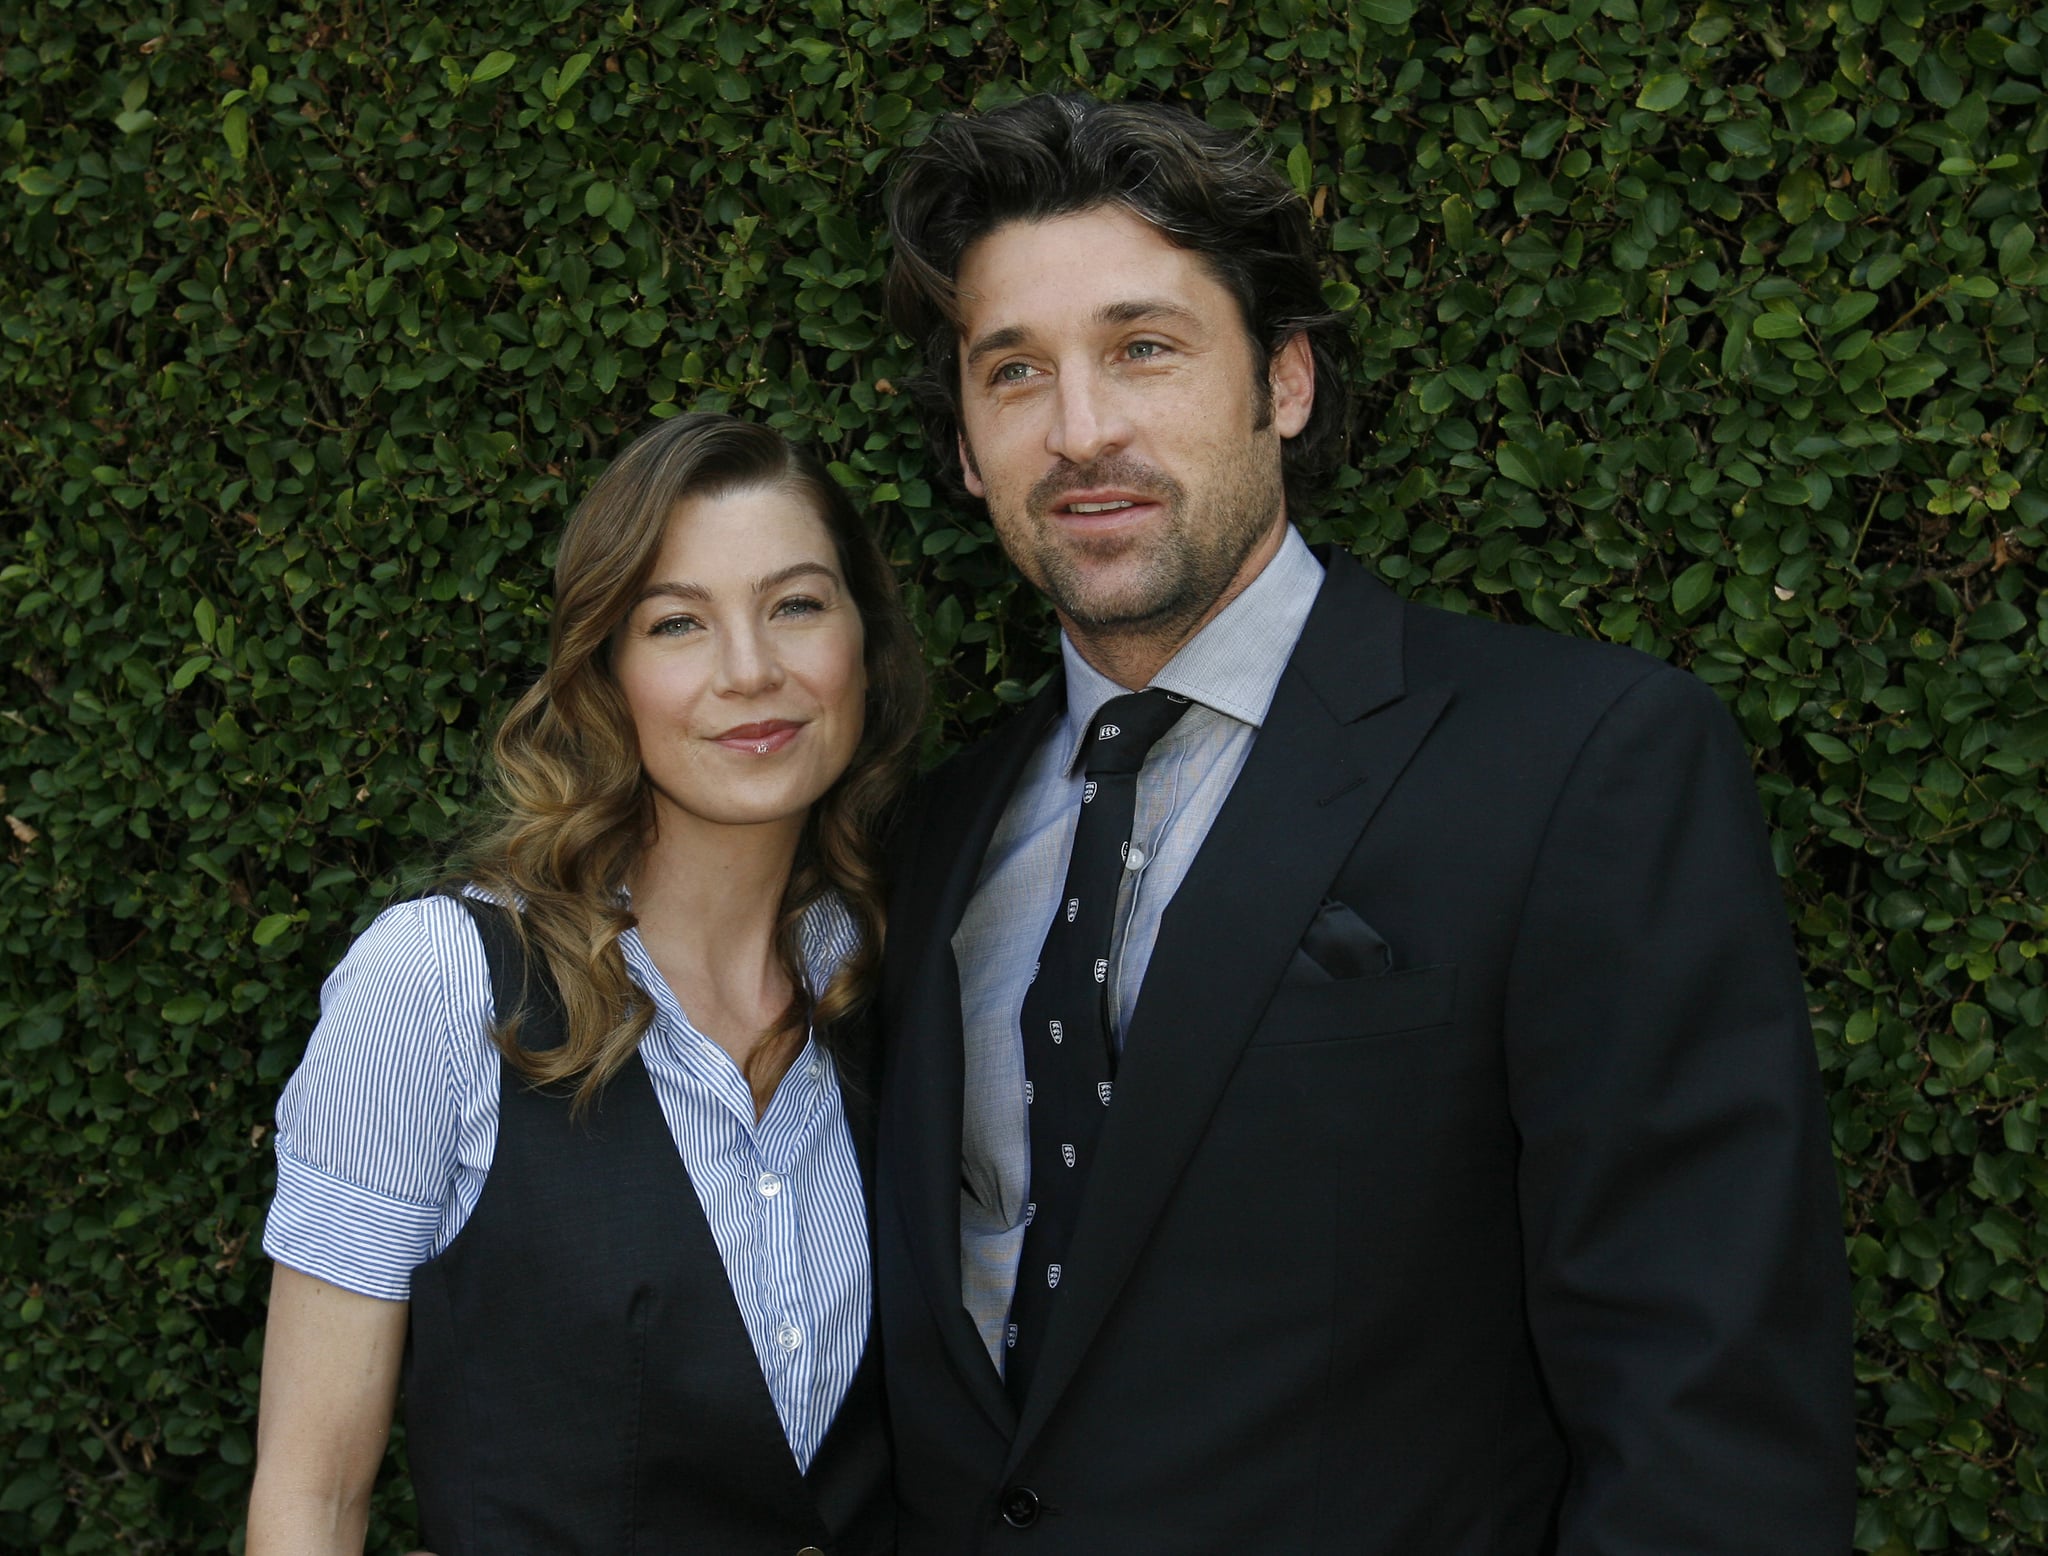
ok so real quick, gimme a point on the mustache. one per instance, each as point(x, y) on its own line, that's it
point(1117, 470)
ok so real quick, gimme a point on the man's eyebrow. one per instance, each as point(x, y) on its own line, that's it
point(1139, 310)
point(1144, 310)
point(1004, 339)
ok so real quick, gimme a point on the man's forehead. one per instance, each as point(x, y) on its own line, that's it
point(1103, 265)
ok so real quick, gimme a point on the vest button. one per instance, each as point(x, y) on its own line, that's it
point(1020, 1507)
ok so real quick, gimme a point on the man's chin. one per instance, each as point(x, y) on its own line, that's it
point(1122, 613)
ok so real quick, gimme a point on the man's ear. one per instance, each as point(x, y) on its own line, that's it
point(970, 473)
point(1292, 375)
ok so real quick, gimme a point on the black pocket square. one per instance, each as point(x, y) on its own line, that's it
point(1339, 944)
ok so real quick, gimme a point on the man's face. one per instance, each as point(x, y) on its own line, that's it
point(1110, 416)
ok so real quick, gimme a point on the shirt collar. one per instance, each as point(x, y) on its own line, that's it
point(1232, 665)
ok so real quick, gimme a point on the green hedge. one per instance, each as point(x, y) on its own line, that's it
point(1714, 329)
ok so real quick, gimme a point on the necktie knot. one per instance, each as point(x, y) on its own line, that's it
point(1125, 728)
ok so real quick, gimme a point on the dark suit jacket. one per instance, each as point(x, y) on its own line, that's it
point(1529, 1244)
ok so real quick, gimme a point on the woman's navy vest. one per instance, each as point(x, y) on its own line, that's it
point(578, 1376)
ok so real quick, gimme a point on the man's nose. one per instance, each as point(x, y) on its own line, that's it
point(1088, 419)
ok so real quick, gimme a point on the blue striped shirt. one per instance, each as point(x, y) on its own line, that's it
point(386, 1131)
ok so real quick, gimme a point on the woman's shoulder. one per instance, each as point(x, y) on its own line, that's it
point(417, 936)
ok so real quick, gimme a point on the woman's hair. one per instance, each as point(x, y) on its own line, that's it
point(573, 806)
point(1206, 190)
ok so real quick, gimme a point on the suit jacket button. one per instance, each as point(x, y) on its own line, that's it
point(1020, 1507)
point(810, 1550)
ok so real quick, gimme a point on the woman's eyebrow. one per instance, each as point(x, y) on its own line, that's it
point(681, 590)
point(795, 570)
point(676, 590)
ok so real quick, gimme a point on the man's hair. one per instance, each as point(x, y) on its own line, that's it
point(1213, 193)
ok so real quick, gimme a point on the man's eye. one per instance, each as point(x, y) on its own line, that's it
point(1146, 350)
point(1013, 372)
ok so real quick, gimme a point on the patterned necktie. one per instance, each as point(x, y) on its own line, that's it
point(1069, 1047)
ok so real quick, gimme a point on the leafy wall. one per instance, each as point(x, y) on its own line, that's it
point(1716, 329)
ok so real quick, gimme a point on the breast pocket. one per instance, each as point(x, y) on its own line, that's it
point(1386, 1006)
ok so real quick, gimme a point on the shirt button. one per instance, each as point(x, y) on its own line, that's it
point(816, 1071)
point(1136, 860)
point(789, 1337)
point(770, 1185)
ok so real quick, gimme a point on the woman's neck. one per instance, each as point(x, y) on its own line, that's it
point(707, 899)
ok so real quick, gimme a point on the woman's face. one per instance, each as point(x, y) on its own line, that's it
point(741, 663)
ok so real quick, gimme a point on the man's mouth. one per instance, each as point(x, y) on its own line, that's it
point(1099, 502)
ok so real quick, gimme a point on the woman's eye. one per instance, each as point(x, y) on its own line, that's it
point(799, 605)
point(673, 626)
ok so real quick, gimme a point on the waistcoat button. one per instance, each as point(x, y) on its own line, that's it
point(1020, 1507)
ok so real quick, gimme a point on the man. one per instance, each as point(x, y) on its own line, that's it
point(1356, 1095)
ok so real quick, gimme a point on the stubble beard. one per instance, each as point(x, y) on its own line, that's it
point(1164, 582)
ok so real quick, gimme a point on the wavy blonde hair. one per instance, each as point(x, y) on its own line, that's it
point(573, 808)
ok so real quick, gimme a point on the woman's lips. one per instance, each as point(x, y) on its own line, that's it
point(763, 739)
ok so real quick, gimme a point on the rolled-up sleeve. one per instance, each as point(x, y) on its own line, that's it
point(370, 1129)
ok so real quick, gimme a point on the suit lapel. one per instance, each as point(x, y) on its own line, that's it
point(1341, 728)
point(923, 1100)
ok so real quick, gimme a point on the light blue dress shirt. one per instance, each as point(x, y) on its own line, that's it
point(1229, 670)
point(386, 1131)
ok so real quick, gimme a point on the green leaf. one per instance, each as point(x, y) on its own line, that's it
point(1800, 192)
point(1994, 619)
point(598, 197)
point(1388, 13)
point(1830, 127)
point(271, 927)
point(1901, 910)
point(185, 1009)
point(1458, 222)
point(1913, 376)
point(1693, 587)
point(2015, 251)
point(572, 72)
point(1746, 597)
point(1299, 169)
point(493, 65)
point(1663, 92)
point(2001, 1238)
point(1518, 465)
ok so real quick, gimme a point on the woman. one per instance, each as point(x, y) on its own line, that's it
point(585, 1170)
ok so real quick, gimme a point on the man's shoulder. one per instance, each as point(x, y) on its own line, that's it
point(1532, 667)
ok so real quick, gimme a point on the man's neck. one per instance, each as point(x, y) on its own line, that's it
point(1132, 656)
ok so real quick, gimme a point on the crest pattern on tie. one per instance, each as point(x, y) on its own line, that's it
point(1069, 1045)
